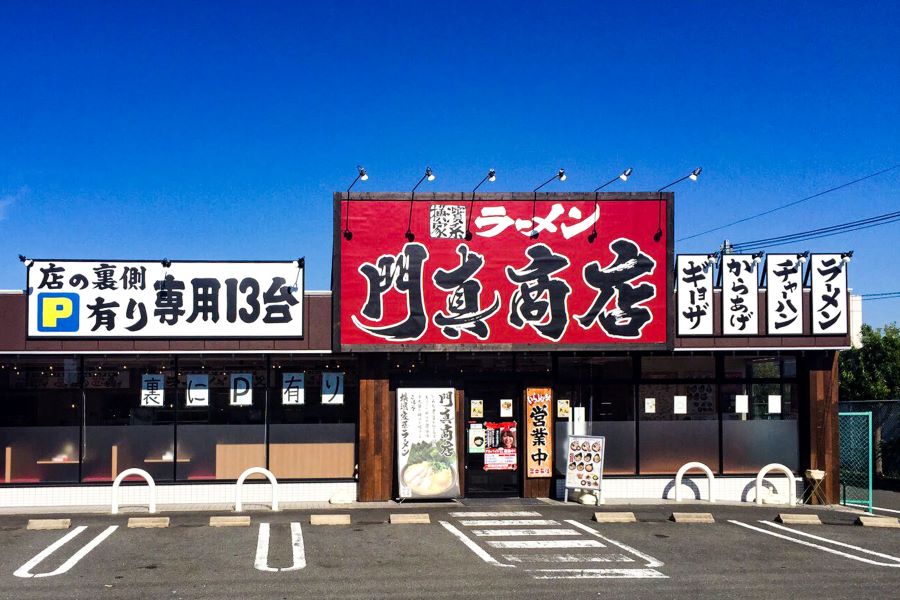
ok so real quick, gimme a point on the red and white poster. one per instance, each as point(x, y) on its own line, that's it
point(500, 452)
point(531, 274)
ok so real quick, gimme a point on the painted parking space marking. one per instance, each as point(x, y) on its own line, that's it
point(541, 558)
point(566, 558)
point(506, 522)
point(25, 570)
point(522, 532)
point(823, 548)
point(513, 513)
point(546, 544)
point(298, 553)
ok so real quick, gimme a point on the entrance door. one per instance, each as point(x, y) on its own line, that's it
point(493, 435)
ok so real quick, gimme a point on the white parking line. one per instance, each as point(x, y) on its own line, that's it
point(262, 550)
point(506, 522)
point(822, 548)
point(25, 570)
point(566, 558)
point(890, 510)
point(651, 562)
point(473, 546)
point(597, 574)
point(522, 532)
point(513, 513)
point(546, 544)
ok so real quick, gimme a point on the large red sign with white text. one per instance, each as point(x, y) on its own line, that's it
point(531, 274)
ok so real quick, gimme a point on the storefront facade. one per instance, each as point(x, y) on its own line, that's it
point(575, 299)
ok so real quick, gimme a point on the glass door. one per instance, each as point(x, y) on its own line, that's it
point(493, 436)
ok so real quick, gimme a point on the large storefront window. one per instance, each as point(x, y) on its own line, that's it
point(40, 418)
point(315, 439)
point(122, 432)
point(602, 387)
point(678, 413)
point(223, 438)
point(759, 414)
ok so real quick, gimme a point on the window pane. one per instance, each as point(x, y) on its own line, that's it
point(756, 438)
point(608, 412)
point(670, 438)
point(223, 439)
point(678, 367)
point(316, 439)
point(120, 433)
point(40, 414)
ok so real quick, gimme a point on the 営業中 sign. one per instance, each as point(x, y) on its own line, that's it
point(538, 432)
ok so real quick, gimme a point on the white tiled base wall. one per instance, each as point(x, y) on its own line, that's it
point(216, 493)
point(727, 489)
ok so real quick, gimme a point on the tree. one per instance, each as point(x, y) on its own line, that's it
point(873, 371)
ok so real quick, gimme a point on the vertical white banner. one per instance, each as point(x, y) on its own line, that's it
point(153, 389)
point(241, 389)
point(784, 294)
point(694, 283)
point(740, 304)
point(427, 455)
point(829, 294)
point(332, 388)
point(197, 393)
point(742, 404)
point(774, 404)
point(293, 388)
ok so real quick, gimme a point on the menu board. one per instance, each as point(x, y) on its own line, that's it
point(584, 469)
point(500, 452)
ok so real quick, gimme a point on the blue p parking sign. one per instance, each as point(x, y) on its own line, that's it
point(57, 312)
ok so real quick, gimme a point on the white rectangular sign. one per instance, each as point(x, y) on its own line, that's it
point(241, 389)
point(740, 284)
point(153, 388)
point(427, 455)
point(650, 405)
point(332, 388)
point(292, 388)
point(784, 294)
point(695, 294)
point(829, 294)
point(741, 404)
point(197, 389)
point(132, 299)
point(774, 404)
point(680, 405)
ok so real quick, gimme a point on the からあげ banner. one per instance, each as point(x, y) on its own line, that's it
point(144, 299)
point(531, 274)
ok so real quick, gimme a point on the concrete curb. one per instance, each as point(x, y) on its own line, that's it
point(148, 522)
point(615, 517)
point(685, 517)
point(47, 524)
point(329, 520)
point(410, 518)
point(798, 519)
point(240, 521)
point(867, 521)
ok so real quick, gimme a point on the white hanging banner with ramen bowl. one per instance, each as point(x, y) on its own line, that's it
point(426, 443)
point(584, 470)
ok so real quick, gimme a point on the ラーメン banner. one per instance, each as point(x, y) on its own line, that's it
point(539, 433)
point(427, 454)
point(164, 299)
point(531, 272)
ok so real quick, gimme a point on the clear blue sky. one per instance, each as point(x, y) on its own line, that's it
point(218, 130)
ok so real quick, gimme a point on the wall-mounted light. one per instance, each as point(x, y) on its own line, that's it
point(362, 175)
point(802, 256)
point(624, 177)
point(492, 177)
point(846, 256)
point(429, 175)
point(693, 175)
point(560, 175)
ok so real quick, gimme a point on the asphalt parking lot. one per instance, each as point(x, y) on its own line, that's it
point(495, 551)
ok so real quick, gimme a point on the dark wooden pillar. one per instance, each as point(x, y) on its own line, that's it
point(823, 421)
point(376, 432)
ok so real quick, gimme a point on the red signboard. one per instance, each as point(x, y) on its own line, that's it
point(532, 274)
